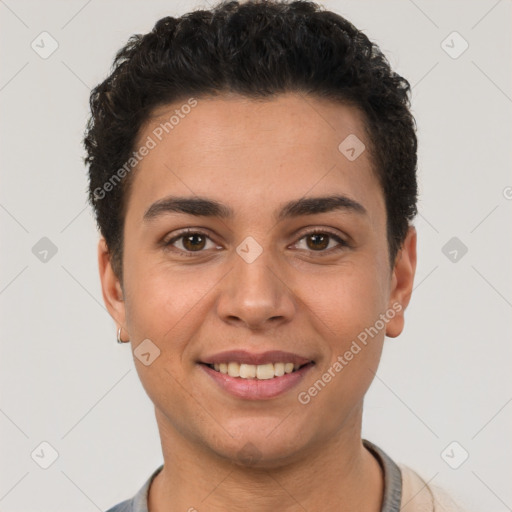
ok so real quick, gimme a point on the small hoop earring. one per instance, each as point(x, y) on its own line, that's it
point(119, 340)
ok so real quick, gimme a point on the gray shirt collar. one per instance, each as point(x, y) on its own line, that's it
point(390, 502)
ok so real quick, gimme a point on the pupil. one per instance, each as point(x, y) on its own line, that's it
point(188, 240)
point(317, 236)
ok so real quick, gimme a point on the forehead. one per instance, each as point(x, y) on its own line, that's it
point(246, 152)
point(231, 121)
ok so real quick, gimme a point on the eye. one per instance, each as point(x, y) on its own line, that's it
point(191, 241)
point(319, 240)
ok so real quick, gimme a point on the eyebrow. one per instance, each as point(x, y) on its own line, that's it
point(203, 207)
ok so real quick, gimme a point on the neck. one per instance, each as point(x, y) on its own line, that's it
point(339, 474)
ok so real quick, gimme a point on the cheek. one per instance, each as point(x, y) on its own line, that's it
point(343, 302)
point(163, 306)
point(346, 309)
point(166, 304)
point(156, 298)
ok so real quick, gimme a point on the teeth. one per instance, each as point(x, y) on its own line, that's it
point(233, 369)
point(278, 369)
point(247, 371)
point(251, 371)
point(265, 371)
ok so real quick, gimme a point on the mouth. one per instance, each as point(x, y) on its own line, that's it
point(259, 372)
point(256, 376)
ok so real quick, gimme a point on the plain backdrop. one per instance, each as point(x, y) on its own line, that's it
point(66, 382)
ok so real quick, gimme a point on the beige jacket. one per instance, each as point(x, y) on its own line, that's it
point(418, 496)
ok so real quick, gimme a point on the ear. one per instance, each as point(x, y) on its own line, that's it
point(110, 285)
point(401, 283)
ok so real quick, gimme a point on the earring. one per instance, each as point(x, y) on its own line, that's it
point(119, 340)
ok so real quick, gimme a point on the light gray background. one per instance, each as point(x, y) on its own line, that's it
point(66, 381)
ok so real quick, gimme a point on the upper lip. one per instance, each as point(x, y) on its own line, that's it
point(244, 357)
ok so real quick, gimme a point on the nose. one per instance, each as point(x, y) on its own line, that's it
point(255, 295)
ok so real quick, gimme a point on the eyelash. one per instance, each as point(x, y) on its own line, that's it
point(342, 243)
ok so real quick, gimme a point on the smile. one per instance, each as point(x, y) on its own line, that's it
point(252, 371)
point(256, 382)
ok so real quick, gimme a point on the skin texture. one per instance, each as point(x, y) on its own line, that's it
point(254, 156)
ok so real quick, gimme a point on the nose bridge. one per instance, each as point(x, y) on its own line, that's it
point(255, 293)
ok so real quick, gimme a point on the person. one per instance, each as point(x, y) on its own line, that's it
point(252, 172)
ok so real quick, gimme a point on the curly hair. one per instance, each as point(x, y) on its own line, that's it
point(256, 48)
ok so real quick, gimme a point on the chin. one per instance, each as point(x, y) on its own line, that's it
point(259, 450)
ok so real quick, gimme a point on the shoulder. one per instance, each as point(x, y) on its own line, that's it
point(420, 496)
point(139, 502)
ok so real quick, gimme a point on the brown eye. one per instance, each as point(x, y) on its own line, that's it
point(194, 242)
point(318, 241)
point(189, 242)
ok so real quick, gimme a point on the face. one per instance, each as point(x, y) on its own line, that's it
point(265, 263)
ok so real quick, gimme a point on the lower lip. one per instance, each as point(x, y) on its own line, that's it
point(256, 389)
